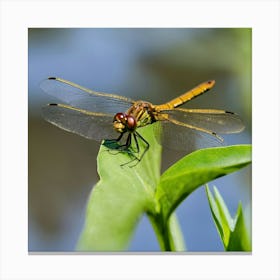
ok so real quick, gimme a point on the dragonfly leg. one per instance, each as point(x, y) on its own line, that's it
point(114, 145)
point(126, 147)
point(136, 134)
point(113, 141)
point(130, 151)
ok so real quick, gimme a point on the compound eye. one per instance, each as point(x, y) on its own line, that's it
point(131, 123)
point(119, 117)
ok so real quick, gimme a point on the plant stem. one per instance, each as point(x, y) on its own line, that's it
point(162, 233)
point(168, 233)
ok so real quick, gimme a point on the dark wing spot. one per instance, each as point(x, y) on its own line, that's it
point(228, 112)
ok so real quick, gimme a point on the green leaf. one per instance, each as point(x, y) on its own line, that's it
point(196, 169)
point(121, 196)
point(220, 214)
point(126, 190)
point(239, 239)
point(233, 232)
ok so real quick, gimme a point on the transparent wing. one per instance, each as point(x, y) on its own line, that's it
point(185, 139)
point(91, 125)
point(83, 98)
point(218, 121)
point(192, 129)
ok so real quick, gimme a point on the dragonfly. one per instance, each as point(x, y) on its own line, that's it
point(118, 120)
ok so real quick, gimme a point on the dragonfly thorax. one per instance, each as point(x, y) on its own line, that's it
point(143, 112)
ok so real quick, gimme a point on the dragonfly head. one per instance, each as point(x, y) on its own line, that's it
point(123, 122)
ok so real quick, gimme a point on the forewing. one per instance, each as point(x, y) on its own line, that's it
point(83, 98)
point(87, 124)
point(217, 121)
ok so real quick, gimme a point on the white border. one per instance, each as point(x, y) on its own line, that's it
point(17, 16)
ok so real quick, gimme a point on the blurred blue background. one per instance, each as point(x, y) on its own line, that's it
point(150, 64)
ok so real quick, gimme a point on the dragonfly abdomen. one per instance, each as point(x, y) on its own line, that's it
point(189, 95)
